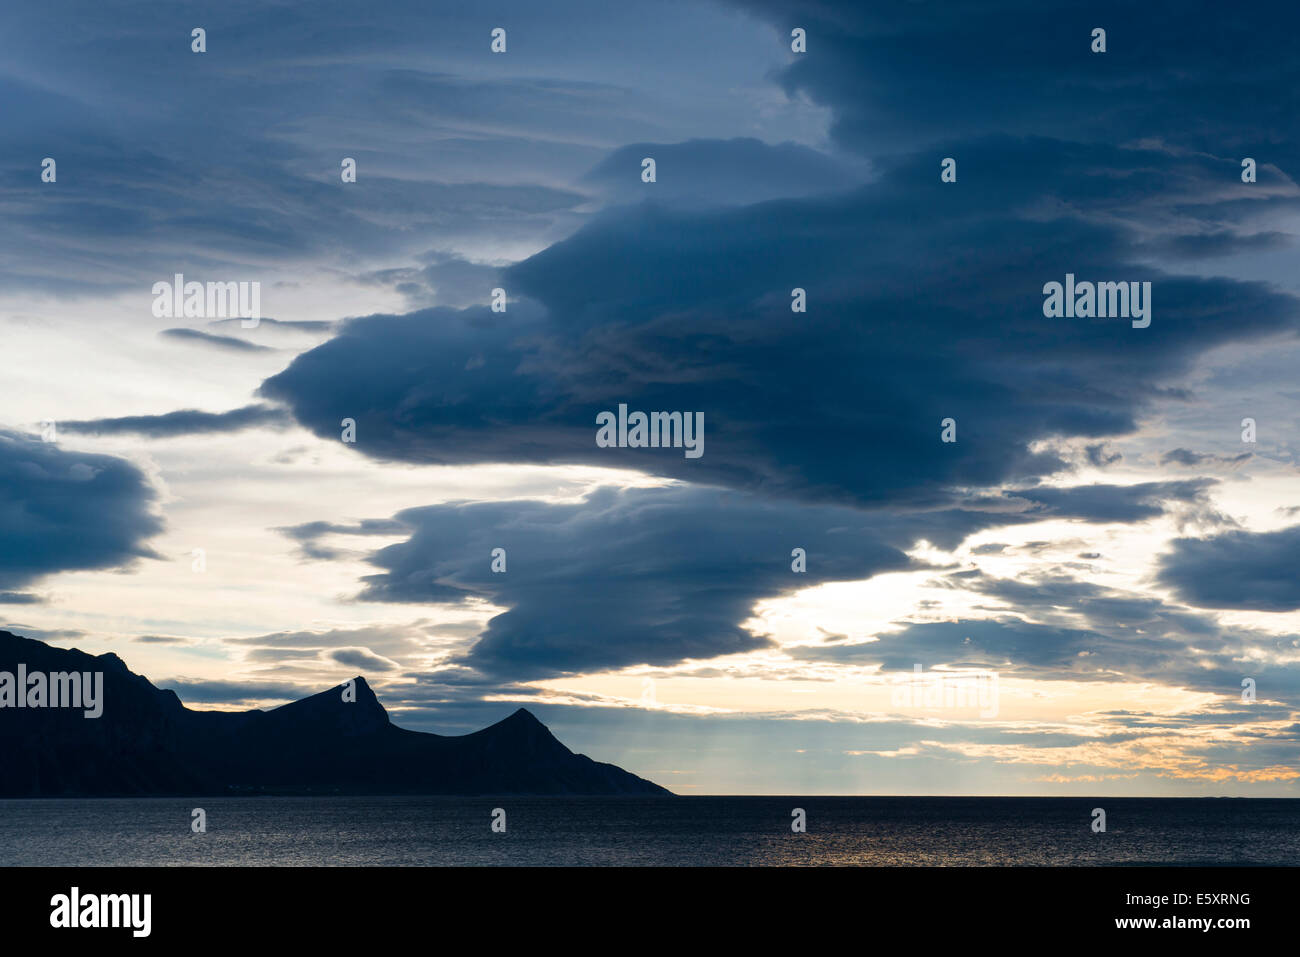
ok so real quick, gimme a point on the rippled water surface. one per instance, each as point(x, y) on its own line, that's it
point(649, 831)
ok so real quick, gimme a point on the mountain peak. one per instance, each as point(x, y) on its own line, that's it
point(347, 710)
point(524, 715)
point(365, 694)
point(522, 727)
point(522, 721)
point(112, 660)
point(338, 741)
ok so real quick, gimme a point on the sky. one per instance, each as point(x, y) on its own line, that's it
point(919, 482)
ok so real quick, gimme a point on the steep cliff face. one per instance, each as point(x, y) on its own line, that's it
point(146, 742)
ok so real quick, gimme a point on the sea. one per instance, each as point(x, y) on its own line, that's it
point(654, 831)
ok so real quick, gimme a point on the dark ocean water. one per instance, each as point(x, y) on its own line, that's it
point(279, 831)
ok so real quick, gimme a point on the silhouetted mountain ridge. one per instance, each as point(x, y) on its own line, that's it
point(147, 742)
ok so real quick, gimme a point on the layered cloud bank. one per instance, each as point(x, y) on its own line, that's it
point(843, 265)
point(67, 510)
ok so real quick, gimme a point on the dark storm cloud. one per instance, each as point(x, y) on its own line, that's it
point(228, 343)
point(1005, 644)
point(1117, 503)
point(287, 325)
point(638, 576)
point(1225, 242)
point(63, 510)
point(308, 536)
point(445, 279)
point(1238, 569)
point(1016, 648)
point(1098, 456)
point(1196, 459)
point(1193, 75)
point(1052, 596)
point(1051, 626)
point(933, 310)
point(361, 658)
point(182, 422)
point(925, 302)
point(625, 577)
point(702, 173)
point(20, 598)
